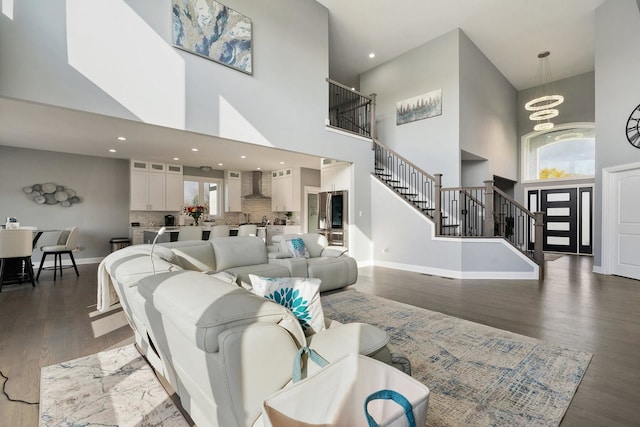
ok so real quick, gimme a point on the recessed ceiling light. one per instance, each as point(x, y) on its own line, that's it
point(219, 164)
point(282, 163)
point(194, 149)
point(243, 157)
point(121, 138)
point(353, 89)
point(258, 168)
point(111, 150)
point(176, 158)
point(372, 55)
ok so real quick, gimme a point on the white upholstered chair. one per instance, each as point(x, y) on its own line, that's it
point(221, 230)
point(190, 233)
point(66, 244)
point(16, 248)
point(248, 230)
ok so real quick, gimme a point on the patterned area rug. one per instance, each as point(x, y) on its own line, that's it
point(477, 375)
point(112, 388)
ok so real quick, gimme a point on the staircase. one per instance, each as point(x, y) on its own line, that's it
point(461, 212)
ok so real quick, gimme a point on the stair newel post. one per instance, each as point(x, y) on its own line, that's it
point(538, 253)
point(372, 119)
point(437, 213)
point(489, 222)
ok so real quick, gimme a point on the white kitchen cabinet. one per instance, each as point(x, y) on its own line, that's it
point(174, 190)
point(152, 188)
point(147, 191)
point(334, 175)
point(233, 191)
point(285, 190)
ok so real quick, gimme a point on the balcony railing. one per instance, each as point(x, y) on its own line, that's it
point(351, 111)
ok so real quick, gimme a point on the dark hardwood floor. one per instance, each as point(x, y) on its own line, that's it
point(571, 307)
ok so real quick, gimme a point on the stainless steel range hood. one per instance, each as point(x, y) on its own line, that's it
point(256, 187)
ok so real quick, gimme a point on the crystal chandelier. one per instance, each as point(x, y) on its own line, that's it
point(542, 106)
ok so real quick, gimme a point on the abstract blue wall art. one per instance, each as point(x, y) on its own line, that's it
point(214, 31)
point(419, 107)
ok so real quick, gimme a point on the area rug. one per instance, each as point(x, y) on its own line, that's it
point(111, 388)
point(477, 375)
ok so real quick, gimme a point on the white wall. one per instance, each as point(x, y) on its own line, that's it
point(123, 65)
point(617, 93)
point(432, 144)
point(102, 184)
point(404, 239)
point(488, 126)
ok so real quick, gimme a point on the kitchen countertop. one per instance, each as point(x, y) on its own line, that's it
point(177, 227)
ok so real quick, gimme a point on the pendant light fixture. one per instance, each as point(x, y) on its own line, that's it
point(542, 106)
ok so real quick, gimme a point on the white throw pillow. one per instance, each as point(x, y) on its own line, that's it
point(297, 248)
point(299, 294)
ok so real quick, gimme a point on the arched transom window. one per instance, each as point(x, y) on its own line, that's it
point(561, 153)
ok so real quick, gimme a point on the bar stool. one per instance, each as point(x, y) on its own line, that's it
point(248, 230)
point(190, 233)
point(221, 230)
point(66, 245)
point(16, 245)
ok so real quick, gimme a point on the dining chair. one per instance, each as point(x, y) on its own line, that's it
point(221, 230)
point(16, 250)
point(190, 232)
point(248, 230)
point(66, 244)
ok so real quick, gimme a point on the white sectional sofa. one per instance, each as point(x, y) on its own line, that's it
point(222, 348)
point(330, 264)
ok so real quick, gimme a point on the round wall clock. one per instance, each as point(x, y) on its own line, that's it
point(633, 127)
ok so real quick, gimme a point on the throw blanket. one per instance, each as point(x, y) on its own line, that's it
point(107, 295)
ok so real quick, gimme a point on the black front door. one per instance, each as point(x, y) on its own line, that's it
point(568, 216)
point(561, 219)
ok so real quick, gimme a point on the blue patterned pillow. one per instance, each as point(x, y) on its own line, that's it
point(298, 294)
point(297, 248)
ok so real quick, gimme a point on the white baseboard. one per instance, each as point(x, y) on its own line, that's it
point(365, 263)
point(454, 274)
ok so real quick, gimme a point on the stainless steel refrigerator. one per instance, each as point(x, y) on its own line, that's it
point(332, 216)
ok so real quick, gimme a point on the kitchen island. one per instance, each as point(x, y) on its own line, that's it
point(171, 233)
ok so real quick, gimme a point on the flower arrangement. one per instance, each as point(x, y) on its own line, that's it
point(195, 211)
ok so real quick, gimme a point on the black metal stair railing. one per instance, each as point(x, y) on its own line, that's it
point(351, 111)
point(513, 222)
point(462, 211)
point(415, 186)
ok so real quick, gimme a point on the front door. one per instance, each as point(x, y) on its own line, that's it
point(568, 218)
point(561, 220)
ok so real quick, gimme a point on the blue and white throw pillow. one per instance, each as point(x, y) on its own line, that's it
point(297, 248)
point(299, 294)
